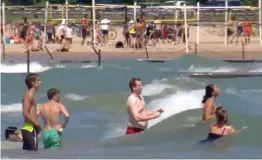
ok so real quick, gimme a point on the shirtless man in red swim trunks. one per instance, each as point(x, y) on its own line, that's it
point(138, 115)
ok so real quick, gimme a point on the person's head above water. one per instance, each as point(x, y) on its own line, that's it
point(32, 81)
point(135, 85)
point(221, 116)
point(53, 94)
point(211, 91)
point(12, 134)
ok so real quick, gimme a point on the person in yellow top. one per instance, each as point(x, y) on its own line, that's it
point(132, 33)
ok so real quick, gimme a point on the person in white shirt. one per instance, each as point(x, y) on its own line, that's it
point(105, 26)
point(60, 31)
point(68, 35)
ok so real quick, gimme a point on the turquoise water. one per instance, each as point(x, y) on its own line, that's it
point(96, 97)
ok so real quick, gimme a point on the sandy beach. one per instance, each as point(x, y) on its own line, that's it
point(211, 46)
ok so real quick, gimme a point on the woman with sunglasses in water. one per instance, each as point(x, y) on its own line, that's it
point(212, 91)
point(222, 126)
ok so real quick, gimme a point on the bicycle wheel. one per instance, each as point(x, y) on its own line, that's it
point(112, 34)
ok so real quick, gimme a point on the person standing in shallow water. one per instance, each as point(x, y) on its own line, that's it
point(209, 101)
point(138, 115)
point(50, 113)
point(31, 127)
point(222, 126)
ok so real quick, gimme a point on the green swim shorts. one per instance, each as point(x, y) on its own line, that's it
point(52, 139)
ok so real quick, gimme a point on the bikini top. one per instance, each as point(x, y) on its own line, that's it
point(214, 136)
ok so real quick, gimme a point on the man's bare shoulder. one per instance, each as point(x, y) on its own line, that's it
point(28, 95)
point(131, 99)
point(60, 105)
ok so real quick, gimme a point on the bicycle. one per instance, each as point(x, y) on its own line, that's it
point(112, 34)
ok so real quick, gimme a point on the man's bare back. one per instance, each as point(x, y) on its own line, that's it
point(50, 112)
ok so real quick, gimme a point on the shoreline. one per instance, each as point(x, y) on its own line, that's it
point(211, 46)
point(86, 53)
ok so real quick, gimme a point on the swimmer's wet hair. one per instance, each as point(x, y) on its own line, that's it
point(9, 130)
point(209, 92)
point(52, 92)
point(30, 78)
point(221, 116)
point(132, 83)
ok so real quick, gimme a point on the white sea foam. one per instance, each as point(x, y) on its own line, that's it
point(88, 66)
point(75, 97)
point(22, 68)
point(15, 107)
point(256, 70)
point(176, 103)
point(223, 69)
point(155, 88)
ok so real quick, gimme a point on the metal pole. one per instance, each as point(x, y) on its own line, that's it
point(66, 10)
point(243, 50)
point(198, 23)
point(226, 20)
point(126, 16)
point(3, 12)
point(134, 10)
point(28, 60)
point(46, 15)
point(94, 21)
point(175, 11)
point(62, 12)
point(3, 24)
point(260, 21)
point(185, 26)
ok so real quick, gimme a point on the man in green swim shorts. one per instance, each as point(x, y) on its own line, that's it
point(50, 113)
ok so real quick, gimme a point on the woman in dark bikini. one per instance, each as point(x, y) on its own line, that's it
point(222, 126)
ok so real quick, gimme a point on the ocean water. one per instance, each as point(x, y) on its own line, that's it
point(96, 98)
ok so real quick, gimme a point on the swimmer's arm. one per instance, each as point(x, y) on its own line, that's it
point(38, 108)
point(138, 116)
point(207, 111)
point(66, 114)
point(150, 112)
point(27, 105)
point(232, 130)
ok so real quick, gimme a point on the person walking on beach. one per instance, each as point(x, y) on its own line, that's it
point(31, 127)
point(248, 31)
point(50, 113)
point(209, 101)
point(105, 26)
point(138, 115)
point(84, 29)
point(240, 31)
point(157, 32)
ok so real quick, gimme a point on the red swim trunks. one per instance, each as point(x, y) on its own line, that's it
point(133, 130)
point(248, 33)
